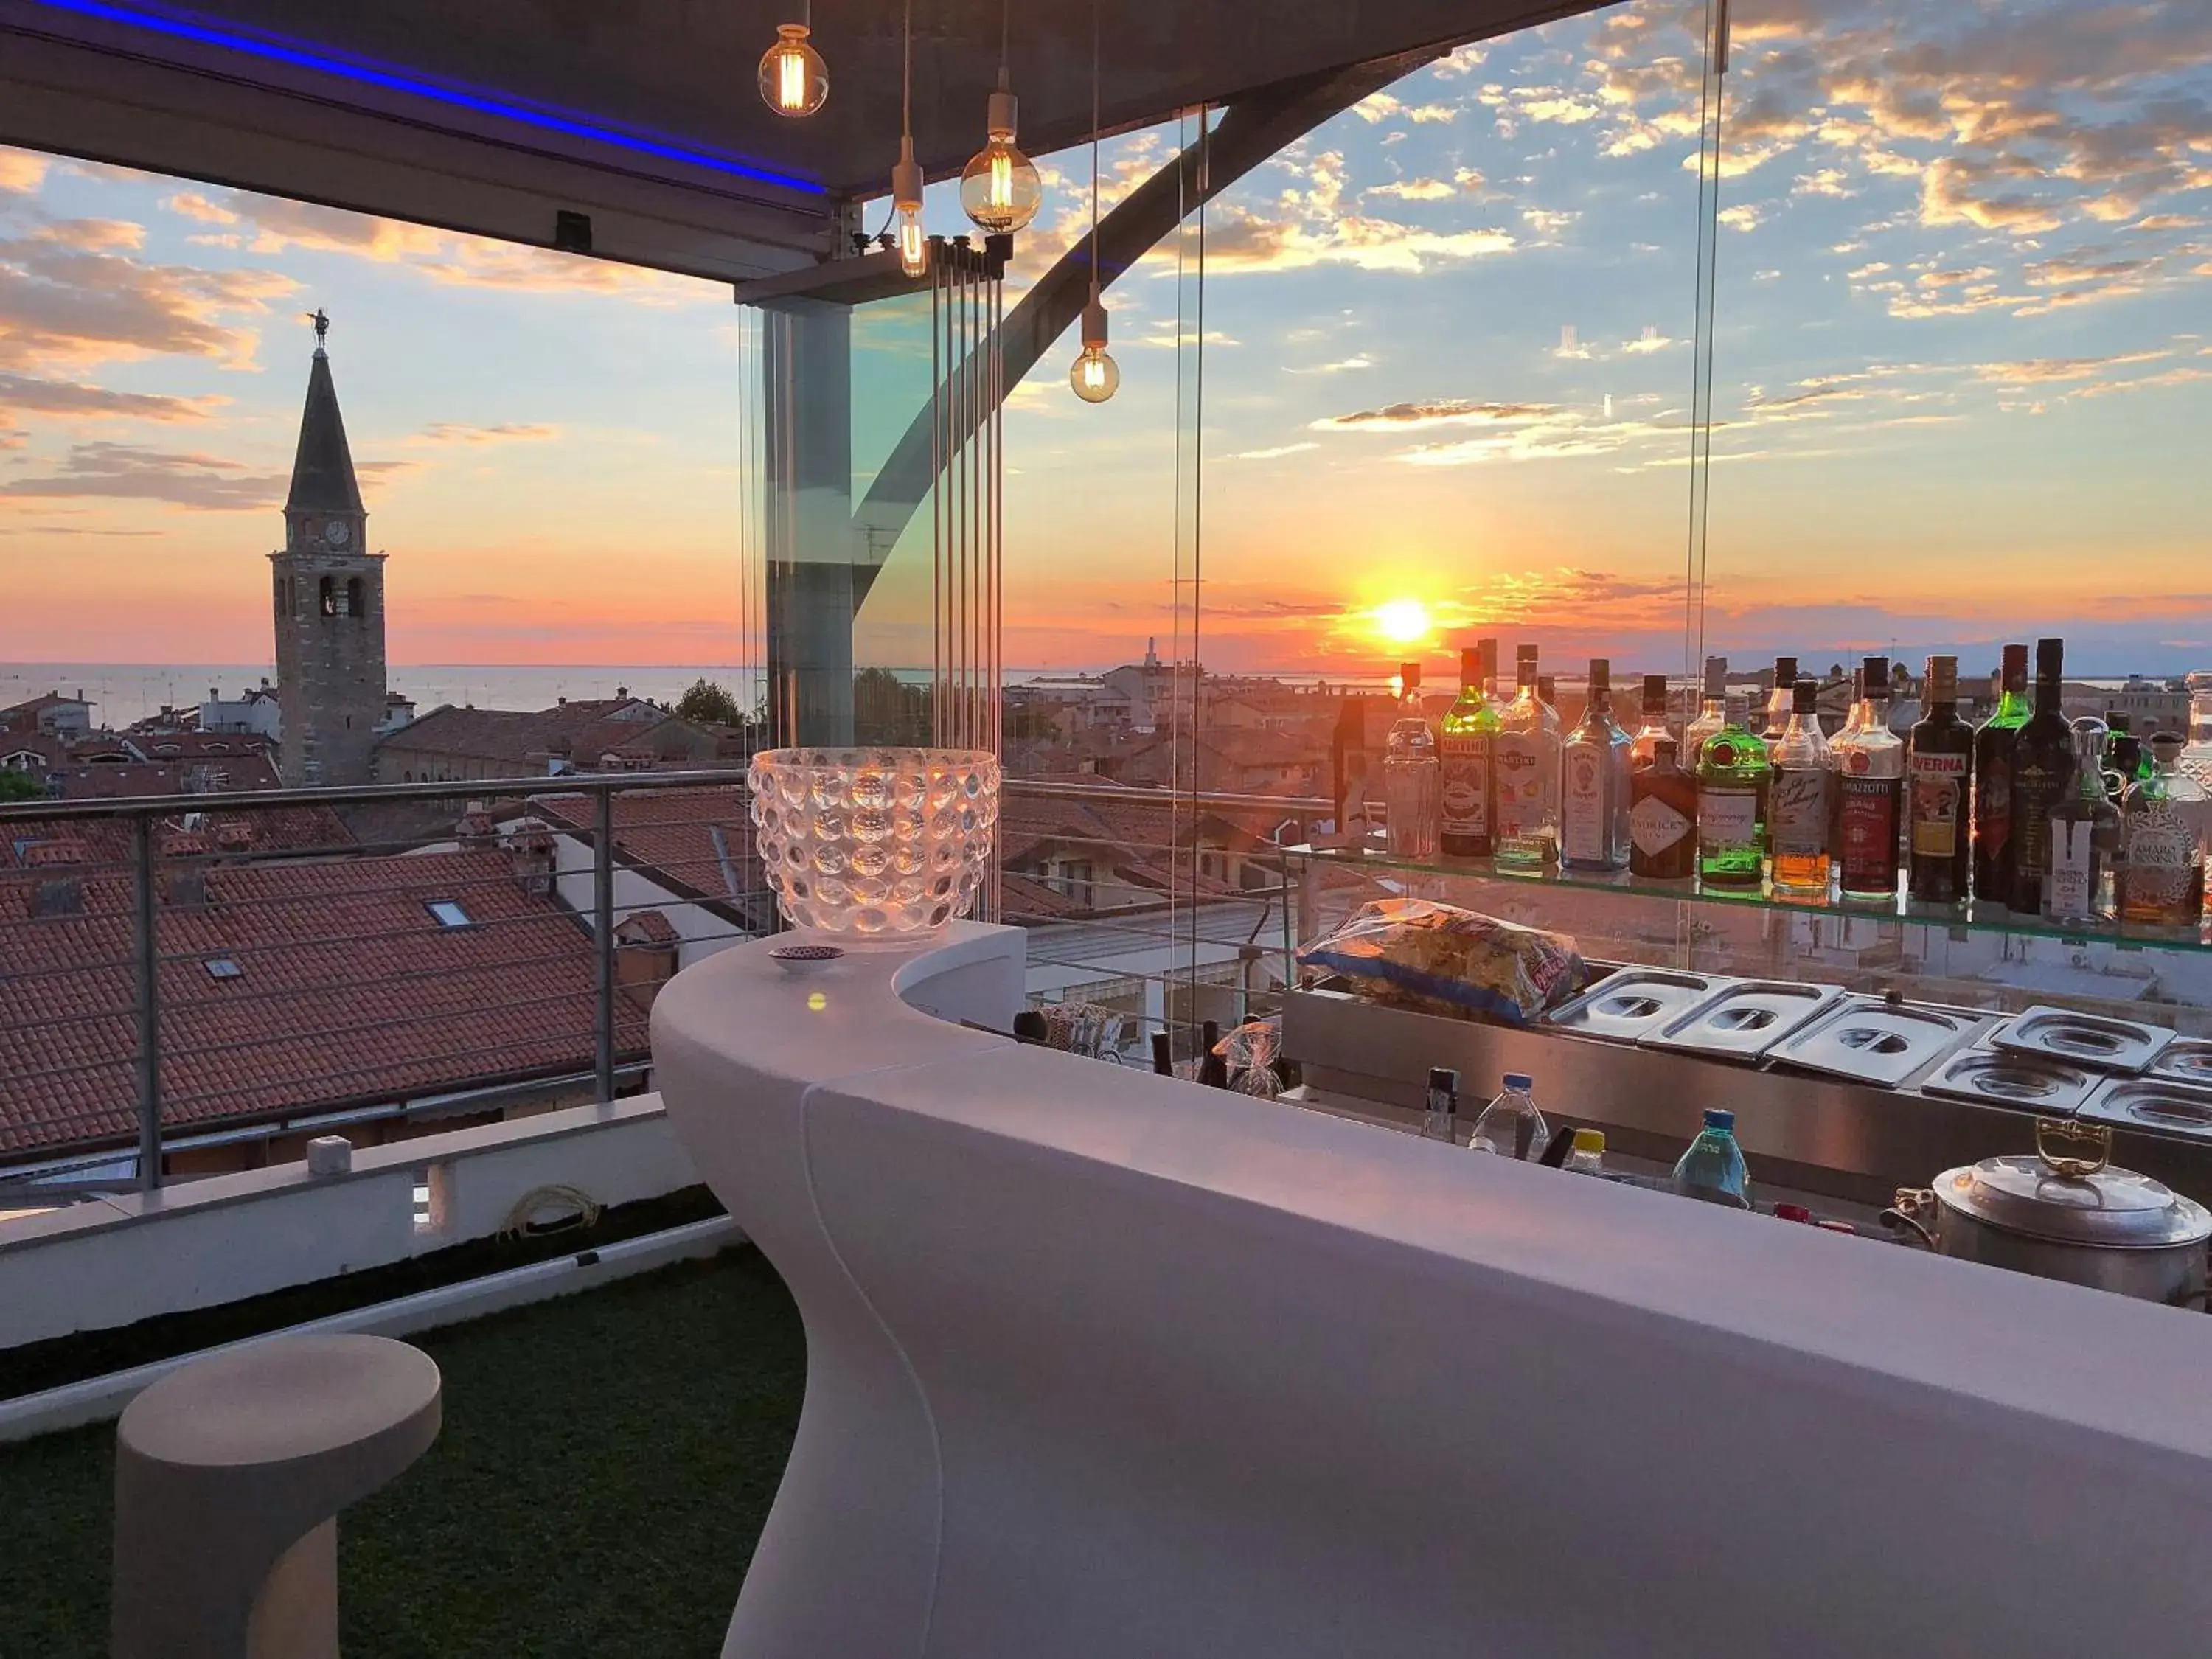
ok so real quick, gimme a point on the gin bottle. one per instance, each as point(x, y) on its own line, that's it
point(1781, 702)
point(1798, 814)
point(2084, 836)
point(1712, 715)
point(1527, 753)
point(1469, 739)
point(1594, 801)
point(1733, 773)
point(1662, 823)
point(1644, 747)
point(1409, 775)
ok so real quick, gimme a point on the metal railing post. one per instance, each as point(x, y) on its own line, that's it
point(149, 1015)
point(602, 929)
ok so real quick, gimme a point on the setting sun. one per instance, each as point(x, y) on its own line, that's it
point(1403, 621)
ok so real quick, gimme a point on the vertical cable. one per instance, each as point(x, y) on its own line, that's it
point(937, 671)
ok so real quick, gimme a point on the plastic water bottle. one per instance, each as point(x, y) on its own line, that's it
point(1511, 1126)
point(1713, 1167)
point(1441, 1121)
point(1587, 1156)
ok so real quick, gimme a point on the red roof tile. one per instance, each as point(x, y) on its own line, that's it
point(348, 991)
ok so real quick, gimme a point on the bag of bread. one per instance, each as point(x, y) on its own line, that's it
point(1440, 958)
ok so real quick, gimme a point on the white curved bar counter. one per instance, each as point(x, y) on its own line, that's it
point(1099, 1364)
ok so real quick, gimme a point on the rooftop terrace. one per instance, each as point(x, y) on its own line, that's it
point(605, 1465)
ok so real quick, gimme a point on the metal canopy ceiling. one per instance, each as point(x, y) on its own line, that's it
point(490, 115)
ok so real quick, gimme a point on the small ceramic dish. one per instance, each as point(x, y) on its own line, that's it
point(802, 959)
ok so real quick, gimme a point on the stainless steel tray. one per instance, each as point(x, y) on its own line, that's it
point(1744, 1020)
point(1875, 1040)
point(2184, 1059)
point(2096, 1040)
point(2152, 1102)
point(1623, 1006)
point(2026, 1082)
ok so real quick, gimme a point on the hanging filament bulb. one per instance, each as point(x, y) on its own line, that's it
point(1094, 375)
point(794, 79)
point(999, 188)
point(906, 200)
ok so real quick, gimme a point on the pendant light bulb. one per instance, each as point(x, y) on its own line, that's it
point(906, 200)
point(999, 188)
point(794, 79)
point(1095, 376)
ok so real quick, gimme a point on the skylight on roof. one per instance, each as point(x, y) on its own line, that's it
point(449, 912)
point(224, 967)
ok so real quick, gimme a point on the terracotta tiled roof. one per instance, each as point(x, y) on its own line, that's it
point(200, 745)
point(647, 927)
point(347, 990)
point(522, 740)
point(700, 841)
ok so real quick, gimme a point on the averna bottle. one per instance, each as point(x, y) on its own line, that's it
point(1713, 1167)
point(1593, 783)
point(2084, 837)
point(1409, 775)
point(1871, 782)
point(1526, 751)
point(1941, 770)
point(1732, 779)
point(1469, 738)
point(1798, 814)
point(2042, 774)
point(1993, 747)
point(1510, 1125)
point(1662, 821)
point(2162, 875)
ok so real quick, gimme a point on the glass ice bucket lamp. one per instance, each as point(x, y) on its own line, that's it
point(874, 846)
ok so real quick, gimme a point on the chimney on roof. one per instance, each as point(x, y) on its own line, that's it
point(476, 824)
point(530, 853)
point(59, 890)
point(645, 956)
point(183, 877)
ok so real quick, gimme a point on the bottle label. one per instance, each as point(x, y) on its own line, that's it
point(1993, 807)
point(1654, 826)
point(1520, 786)
point(1798, 811)
point(1583, 830)
point(1466, 786)
point(1867, 825)
point(1728, 817)
point(2035, 791)
point(2072, 878)
point(1939, 797)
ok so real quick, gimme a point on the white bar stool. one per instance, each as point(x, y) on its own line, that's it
point(229, 1475)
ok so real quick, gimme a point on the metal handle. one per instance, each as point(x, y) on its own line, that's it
point(2098, 1136)
point(1902, 1215)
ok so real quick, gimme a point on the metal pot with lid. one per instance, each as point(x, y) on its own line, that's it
point(2059, 1215)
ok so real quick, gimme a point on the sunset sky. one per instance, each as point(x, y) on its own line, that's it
point(1962, 370)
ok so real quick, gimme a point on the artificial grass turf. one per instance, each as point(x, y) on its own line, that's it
point(606, 1463)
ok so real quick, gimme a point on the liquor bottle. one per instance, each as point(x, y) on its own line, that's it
point(1798, 814)
point(1409, 775)
point(2162, 881)
point(1547, 693)
point(1213, 1069)
point(1527, 753)
point(1713, 714)
point(1593, 783)
point(2042, 774)
point(1713, 1167)
point(1441, 1121)
point(2196, 759)
point(1663, 818)
point(1870, 787)
point(1470, 732)
point(1993, 746)
point(1654, 730)
point(1941, 768)
point(1781, 702)
point(1511, 1126)
point(2084, 837)
point(1588, 1156)
point(1163, 1053)
point(2119, 777)
point(1732, 779)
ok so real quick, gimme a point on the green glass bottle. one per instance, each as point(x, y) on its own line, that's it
point(1469, 736)
point(1733, 773)
point(1993, 747)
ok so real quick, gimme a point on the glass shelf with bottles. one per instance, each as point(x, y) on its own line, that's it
point(1871, 825)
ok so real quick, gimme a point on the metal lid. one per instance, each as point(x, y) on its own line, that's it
point(2073, 1200)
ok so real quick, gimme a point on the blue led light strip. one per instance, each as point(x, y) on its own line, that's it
point(390, 81)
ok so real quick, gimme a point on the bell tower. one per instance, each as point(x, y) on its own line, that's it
point(329, 600)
